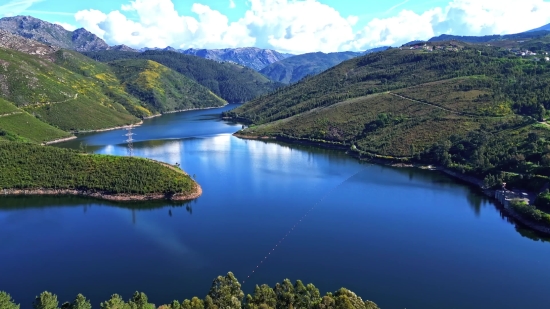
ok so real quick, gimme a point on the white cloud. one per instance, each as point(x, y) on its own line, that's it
point(66, 26)
point(16, 7)
point(232, 4)
point(299, 26)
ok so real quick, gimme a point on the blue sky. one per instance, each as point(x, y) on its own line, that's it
point(294, 26)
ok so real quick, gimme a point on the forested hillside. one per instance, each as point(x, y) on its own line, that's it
point(225, 292)
point(231, 82)
point(162, 89)
point(475, 109)
point(33, 167)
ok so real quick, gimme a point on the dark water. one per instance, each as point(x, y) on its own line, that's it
point(403, 238)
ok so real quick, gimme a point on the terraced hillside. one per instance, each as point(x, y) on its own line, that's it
point(475, 109)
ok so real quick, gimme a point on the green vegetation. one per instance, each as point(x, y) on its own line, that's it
point(58, 96)
point(233, 83)
point(28, 166)
point(28, 127)
point(162, 89)
point(225, 293)
point(475, 109)
point(531, 213)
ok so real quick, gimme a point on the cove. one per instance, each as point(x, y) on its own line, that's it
point(404, 238)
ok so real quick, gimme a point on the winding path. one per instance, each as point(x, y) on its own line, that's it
point(9, 114)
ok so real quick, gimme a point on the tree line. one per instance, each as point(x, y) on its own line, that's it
point(225, 293)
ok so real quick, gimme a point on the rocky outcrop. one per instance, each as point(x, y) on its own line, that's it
point(27, 46)
point(52, 34)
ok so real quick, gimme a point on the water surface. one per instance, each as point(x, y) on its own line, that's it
point(403, 238)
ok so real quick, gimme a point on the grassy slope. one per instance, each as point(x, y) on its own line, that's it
point(27, 166)
point(162, 89)
point(233, 83)
point(16, 124)
point(293, 69)
point(50, 91)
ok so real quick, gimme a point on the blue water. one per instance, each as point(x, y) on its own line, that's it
point(404, 238)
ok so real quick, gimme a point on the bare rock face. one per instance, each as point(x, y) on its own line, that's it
point(27, 46)
point(252, 57)
point(52, 34)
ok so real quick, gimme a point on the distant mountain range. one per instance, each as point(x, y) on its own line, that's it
point(293, 69)
point(252, 57)
point(52, 34)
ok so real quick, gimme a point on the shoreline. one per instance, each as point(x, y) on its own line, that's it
point(119, 197)
point(399, 163)
point(144, 118)
point(60, 140)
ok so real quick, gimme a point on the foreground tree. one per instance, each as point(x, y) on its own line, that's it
point(6, 302)
point(194, 303)
point(225, 293)
point(264, 297)
point(116, 302)
point(140, 301)
point(46, 300)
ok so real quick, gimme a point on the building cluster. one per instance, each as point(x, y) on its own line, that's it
point(430, 47)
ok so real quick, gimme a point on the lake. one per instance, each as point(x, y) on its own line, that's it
point(404, 238)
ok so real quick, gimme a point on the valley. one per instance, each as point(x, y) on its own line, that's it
point(391, 170)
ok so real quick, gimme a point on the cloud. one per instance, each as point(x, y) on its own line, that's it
point(16, 7)
point(396, 6)
point(66, 26)
point(299, 26)
point(232, 4)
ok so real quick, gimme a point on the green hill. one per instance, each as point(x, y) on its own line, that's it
point(231, 82)
point(471, 108)
point(16, 124)
point(33, 167)
point(162, 89)
point(56, 95)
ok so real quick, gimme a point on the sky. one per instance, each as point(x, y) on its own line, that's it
point(290, 26)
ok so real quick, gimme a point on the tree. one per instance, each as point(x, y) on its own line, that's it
point(306, 296)
point(6, 302)
point(139, 301)
point(263, 295)
point(194, 303)
point(327, 302)
point(46, 300)
point(346, 299)
point(80, 302)
point(116, 302)
point(226, 292)
point(285, 295)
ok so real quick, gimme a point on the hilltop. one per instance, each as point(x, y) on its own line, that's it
point(52, 34)
point(231, 82)
point(474, 109)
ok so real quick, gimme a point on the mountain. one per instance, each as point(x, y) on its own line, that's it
point(46, 90)
point(231, 82)
point(52, 34)
point(252, 57)
point(162, 89)
point(123, 48)
point(471, 108)
point(293, 69)
point(543, 28)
